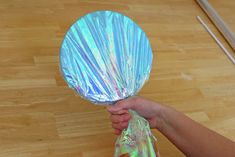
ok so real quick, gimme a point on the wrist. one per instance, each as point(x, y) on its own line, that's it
point(160, 117)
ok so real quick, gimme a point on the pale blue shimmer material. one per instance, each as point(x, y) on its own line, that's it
point(105, 57)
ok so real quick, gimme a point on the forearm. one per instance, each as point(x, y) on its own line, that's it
point(191, 138)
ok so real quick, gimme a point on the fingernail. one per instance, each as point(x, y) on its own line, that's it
point(117, 132)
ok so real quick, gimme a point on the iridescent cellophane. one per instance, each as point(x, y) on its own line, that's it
point(105, 57)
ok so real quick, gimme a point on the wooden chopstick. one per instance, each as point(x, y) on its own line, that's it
point(218, 21)
point(216, 39)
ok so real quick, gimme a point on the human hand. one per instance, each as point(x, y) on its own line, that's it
point(145, 108)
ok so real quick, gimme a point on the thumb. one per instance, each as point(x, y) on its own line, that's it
point(121, 106)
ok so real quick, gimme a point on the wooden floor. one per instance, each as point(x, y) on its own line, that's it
point(40, 116)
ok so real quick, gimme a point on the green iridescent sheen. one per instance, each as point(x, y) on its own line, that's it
point(137, 140)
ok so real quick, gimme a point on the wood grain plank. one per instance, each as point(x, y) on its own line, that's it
point(40, 116)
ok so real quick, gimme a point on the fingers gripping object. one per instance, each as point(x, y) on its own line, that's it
point(106, 57)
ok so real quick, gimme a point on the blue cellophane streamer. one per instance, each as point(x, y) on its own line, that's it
point(106, 57)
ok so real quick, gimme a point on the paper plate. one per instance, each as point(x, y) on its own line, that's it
point(105, 57)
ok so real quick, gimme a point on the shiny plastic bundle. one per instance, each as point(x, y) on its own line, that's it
point(105, 57)
point(137, 140)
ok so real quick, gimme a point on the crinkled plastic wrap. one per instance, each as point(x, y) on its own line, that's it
point(106, 57)
point(137, 140)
